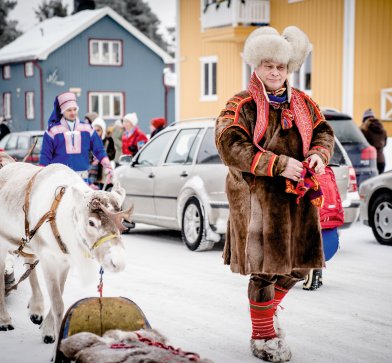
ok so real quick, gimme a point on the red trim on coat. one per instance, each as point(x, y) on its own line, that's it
point(255, 161)
point(270, 168)
point(237, 112)
point(318, 122)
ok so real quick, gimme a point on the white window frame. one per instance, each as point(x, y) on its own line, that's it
point(100, 96)
point(7, 104)
point(210, 61)
point(101, 61)
point(247, 72)
point(386, 104)
point(29, 105)
point(29, 69)
point(6, 71)
point(302, 75)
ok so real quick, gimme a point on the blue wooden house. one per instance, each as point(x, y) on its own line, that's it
point(111, 66)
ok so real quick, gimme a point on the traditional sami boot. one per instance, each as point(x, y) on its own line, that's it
point(313, 280)
point(265, 344)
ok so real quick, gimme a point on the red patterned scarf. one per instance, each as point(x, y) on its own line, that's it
point(308, 183)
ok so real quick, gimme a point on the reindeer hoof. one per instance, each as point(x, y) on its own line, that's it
point(48, 339)
point(36, 319)
point(6, 327)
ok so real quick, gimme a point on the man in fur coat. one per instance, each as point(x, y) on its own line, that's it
point(275, 141)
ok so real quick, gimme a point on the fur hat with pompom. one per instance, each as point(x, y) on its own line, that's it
point(265, 43)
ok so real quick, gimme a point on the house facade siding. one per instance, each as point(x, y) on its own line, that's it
point(17, 86)
point(139, 78)
point(324, 23)
point(373, 56)
point(192, 47)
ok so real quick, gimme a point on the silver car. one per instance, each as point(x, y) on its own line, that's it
point(376, 206)
point(177, 181)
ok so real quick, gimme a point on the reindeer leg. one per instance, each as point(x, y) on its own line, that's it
point(5, 319)
point(36, 303)
point(55, 272)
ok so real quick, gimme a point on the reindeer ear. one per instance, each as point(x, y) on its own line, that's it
point(118, 192)
point(78, 193)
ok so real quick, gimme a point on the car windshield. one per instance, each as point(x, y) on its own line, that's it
point(347, 132)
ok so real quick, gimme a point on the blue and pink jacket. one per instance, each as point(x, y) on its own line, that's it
point(71, 148)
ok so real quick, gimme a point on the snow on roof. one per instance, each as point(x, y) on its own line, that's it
point(47, 36)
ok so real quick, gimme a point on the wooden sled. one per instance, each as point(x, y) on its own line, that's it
point(98, 315)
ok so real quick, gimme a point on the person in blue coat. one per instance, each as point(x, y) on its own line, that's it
point(69, 140)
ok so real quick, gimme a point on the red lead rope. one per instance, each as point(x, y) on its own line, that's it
point(100, 285)
point(193, 357)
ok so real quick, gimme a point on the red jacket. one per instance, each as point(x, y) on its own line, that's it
point(132, 143)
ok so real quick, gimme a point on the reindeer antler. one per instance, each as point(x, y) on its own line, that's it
point(117, 217)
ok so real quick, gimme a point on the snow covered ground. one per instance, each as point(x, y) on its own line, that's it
point(201, 306)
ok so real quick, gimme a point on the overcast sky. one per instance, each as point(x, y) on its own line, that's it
point(24, 12)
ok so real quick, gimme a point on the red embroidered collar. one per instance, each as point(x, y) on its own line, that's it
point(298, 112)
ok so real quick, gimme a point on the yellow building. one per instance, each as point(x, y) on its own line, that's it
point(349, 68)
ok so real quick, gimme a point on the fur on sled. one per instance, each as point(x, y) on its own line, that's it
point(122, 346)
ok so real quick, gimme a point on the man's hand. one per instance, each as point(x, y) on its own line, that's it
point(316, 163)
point(293, 169)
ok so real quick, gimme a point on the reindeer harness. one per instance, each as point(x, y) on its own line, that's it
point(48, 216)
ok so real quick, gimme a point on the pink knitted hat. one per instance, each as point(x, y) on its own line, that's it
point(67, 100)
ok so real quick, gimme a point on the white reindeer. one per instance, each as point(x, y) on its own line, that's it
point(88, 222)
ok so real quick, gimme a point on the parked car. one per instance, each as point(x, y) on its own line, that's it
point(362, 155)
point(18, 144)
point(376, 206)
point(177, 181)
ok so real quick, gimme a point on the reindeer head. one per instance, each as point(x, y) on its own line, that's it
point(102, 225)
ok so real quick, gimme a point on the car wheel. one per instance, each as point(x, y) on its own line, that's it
point(381, 218)
point(193, 226)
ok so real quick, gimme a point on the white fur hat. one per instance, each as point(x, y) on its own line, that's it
point(131, 117)
point(102, 124)
point(265, 43)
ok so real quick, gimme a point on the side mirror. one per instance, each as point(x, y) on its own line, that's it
point(125, 159)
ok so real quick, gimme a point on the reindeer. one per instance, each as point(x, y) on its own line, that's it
point(84, 225)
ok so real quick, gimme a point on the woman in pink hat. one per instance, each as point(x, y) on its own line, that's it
point(69, 140)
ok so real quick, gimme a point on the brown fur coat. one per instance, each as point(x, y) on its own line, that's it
point(267, 231)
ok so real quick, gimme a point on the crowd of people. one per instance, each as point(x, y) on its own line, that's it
point(89, 146)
